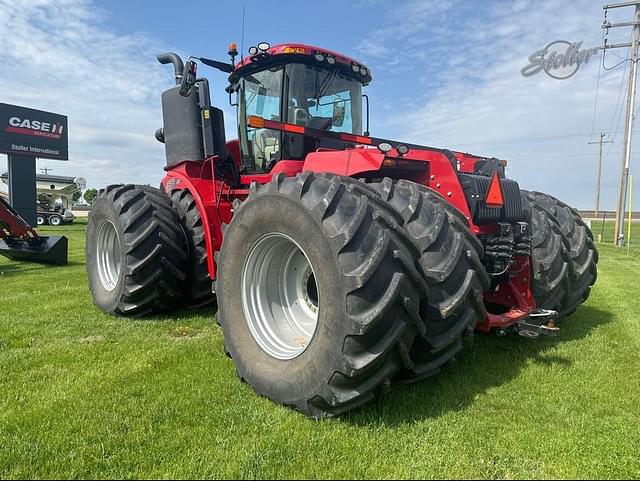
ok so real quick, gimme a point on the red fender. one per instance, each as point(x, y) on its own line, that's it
point(198, 178)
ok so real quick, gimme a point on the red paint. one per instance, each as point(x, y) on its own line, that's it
point(298, 49)
point(199, 179)
point(514, 295)
point(12, 226)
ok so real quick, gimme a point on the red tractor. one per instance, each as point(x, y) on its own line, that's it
point(339, 262)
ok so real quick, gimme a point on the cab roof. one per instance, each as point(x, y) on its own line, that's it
point(300, 53)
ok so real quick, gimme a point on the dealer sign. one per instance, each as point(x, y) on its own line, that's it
point(32, 132)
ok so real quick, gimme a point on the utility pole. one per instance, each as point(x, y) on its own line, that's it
point(599, 171)
point(631, 93)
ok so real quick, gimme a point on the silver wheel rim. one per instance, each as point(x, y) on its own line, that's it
point(108, 255)
point(55, 221)
point(280, 296)
point(40, 220)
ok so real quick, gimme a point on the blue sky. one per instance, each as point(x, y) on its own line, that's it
point(446, 73)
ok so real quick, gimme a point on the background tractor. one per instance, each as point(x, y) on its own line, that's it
point(340, 262)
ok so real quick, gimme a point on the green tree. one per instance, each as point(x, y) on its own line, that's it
point(90, 195)
point(76, 196)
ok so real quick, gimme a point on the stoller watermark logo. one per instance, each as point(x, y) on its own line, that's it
point(559, 59)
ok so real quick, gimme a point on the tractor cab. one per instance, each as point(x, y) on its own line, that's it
point(297, 85)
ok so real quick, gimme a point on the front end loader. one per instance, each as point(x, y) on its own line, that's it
point(19, 242)
point(340, 262)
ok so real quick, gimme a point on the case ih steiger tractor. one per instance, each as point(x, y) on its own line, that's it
point(339, 262)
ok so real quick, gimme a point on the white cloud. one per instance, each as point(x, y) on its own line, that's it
point(447, 73)
point(60, 56)
point(468, 93)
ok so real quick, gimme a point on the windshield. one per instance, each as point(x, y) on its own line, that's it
point(317, 98)
point(324, 99)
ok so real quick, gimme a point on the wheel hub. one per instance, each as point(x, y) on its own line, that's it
point(108, 256)
point(280, 296)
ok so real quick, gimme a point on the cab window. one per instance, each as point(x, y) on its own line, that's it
point(260, 95)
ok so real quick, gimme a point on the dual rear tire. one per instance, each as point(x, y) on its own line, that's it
point(146, 252)
point(564, 254)
point(393, 293)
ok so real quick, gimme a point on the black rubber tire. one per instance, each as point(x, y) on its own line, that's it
point(579, 253)
point(197, 291)
point(55, 220)
point(40, 220)
point(363, 264)
point(549, 260)
point(451, 257)
point(152, 246)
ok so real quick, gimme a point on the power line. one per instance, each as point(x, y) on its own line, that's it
point(531, 139)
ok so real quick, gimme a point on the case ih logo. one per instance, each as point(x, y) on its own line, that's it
point(37, 128)
point(36, 133)
point(559, 60)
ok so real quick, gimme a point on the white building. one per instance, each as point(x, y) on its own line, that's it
point(56, 188)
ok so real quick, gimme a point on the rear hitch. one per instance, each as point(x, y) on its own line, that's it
point(541, 322)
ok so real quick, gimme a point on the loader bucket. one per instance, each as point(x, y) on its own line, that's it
point(46, 250)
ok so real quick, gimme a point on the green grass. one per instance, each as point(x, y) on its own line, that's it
point(606, 233)
point(83, 394)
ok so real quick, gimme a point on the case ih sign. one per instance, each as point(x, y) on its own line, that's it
point(32, 132)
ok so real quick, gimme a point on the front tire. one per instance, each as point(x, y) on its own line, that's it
point(135, 251)
point(366, 285)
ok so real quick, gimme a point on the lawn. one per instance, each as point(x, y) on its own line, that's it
point(83, 394)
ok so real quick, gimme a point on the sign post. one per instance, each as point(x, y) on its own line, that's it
point(22, 187)
point(24, 135)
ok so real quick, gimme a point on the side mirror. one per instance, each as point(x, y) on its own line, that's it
point(188, 78)
point(338, 113)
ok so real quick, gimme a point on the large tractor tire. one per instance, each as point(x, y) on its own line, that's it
point(558, 291)
point(451, 258)
point(135, 251)
point(197, 292)
point(319, 293)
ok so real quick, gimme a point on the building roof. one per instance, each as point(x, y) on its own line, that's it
point(47, 178)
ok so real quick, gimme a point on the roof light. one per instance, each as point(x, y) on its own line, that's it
point(294, 50)
point(402, 149)
point(331, 60)
point(253, 50)
point(264, 46)
point(355, 67)
point(363, 71)
point(319, 57)
point(384, 147)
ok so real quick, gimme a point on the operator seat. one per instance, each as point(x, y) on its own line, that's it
point(266, 147)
